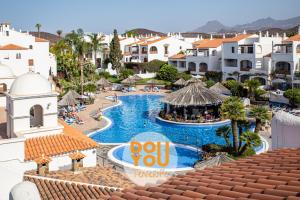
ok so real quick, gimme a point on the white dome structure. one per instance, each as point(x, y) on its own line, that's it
point(25, 191)
point(30, 84)
point(6, 72)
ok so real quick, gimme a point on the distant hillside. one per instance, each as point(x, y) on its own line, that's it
point(143, 31)
point(273, 31)
point(45, 35)
point(260, 24)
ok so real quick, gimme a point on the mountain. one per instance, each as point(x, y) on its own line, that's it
point(143, 31)
point(258, 25)
point(47, 36)
point(211, 27)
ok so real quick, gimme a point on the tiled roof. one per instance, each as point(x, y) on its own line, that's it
point(12, 47)
point(293, 38)
point(178, 56)
point(153, 41)
point(37, 39)
point(269, 176)
point(61, 190)
point(69, 141)
point(208, 43)
point(238, 38)
point(42, 160)
point(77, 155)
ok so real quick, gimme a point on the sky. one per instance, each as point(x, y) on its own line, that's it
point(158, 15)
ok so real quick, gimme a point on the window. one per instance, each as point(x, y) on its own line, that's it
point(250, 49)
point(30, 62)
point(166, 50)
point(242, 49)
point(18, 56)
point(30, 47)
point(153, 50)
point(214, 53)
point(232, 49)
point(7, 33)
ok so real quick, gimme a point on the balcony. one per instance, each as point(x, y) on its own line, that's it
point(282, 49)
point(245, 65)
point(246, 49)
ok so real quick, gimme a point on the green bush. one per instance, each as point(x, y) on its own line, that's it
point(90, 88)
point(213, 75)
point(167, 73)
point(293, 95)
point(186, 76)
point(213, 148)
point(235, 87)
point(209, 83)
point(125, 73)
point(104, 74)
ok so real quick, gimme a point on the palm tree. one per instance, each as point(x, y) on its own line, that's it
point(224, 131)
point(250, 140)
point(260, 113)
point(96, 44)
point(38, 27)
point(233, 109)
point(59, 32)
point(252, 85)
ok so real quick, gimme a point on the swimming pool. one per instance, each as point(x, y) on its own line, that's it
point(137, 114)
point(180, 157)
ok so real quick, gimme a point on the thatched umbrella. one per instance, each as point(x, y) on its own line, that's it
point(103, 82)
point(180, 82)
point(136, 77)
point(69, 99)
point(219, 88)
point(128, 81)
point(195, 80)
point(194, 94)
point(217, 160)
point(152, 82)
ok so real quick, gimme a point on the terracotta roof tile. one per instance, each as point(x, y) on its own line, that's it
point(61, 190)
point(37, 39)
point(273, 175)
point(69, 141)
point(12, 47)
point(293, 38)
point(148, 42)
point(178, 56)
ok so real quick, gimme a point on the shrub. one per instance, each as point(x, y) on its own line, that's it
point(213, 75)
point(125, 73)
point(293, 95)
point(186, 76)
point(90, 88)
point(209, 83)
point(167, 73)
point(104, 74)
point(235, 87)
point(213, 148)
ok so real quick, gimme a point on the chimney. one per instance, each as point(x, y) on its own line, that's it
point(260, 35)
point(211, 37)
point(284, 35)
point(277, 34)
point(267, 34)
point(299, 29)
point(244, 32)
point(224, 36)
point(201, 38)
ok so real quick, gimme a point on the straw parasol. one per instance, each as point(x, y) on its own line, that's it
point(194, 94)
point(219, 159)
point(103, 82)
point(219, 88)
point(136, 77)
point(180, 82)
point(69, 99)
point(128, 81)
point(195, 80)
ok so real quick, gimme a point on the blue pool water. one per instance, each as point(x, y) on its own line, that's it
point(138, 114)
point(179, 157)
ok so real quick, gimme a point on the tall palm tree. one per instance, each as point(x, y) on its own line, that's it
point(38, 27)
point(96, 44)
point(261, 114)
point(59, 32)
point(250, 140)
point(224, 131)
point(233, 109)
point(252, 85)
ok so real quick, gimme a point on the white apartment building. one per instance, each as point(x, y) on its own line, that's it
point(24, 52)
point(148, 49)
point(286, 56)
point(247, 56)
point(204, 56)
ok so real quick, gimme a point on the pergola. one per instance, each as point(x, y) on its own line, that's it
point(193, 102)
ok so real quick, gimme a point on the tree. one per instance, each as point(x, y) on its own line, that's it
point(252, 85)
point(233, 109)
point(38, 27)
point(115, 54)
point(59, 32)
point(261, 114)
point(250, 140)
point(293, 95)
point(224, 131)
point(235, 87)
point(125, 73)
point(96, 44)
point(167, 73)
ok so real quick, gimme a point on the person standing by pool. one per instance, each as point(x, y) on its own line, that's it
point(116, 97)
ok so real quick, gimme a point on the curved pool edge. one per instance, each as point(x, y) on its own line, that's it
point(128, 165)
point(265, 145)
point(193, 124)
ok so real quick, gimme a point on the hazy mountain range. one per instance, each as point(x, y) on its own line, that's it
point(260, 24)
